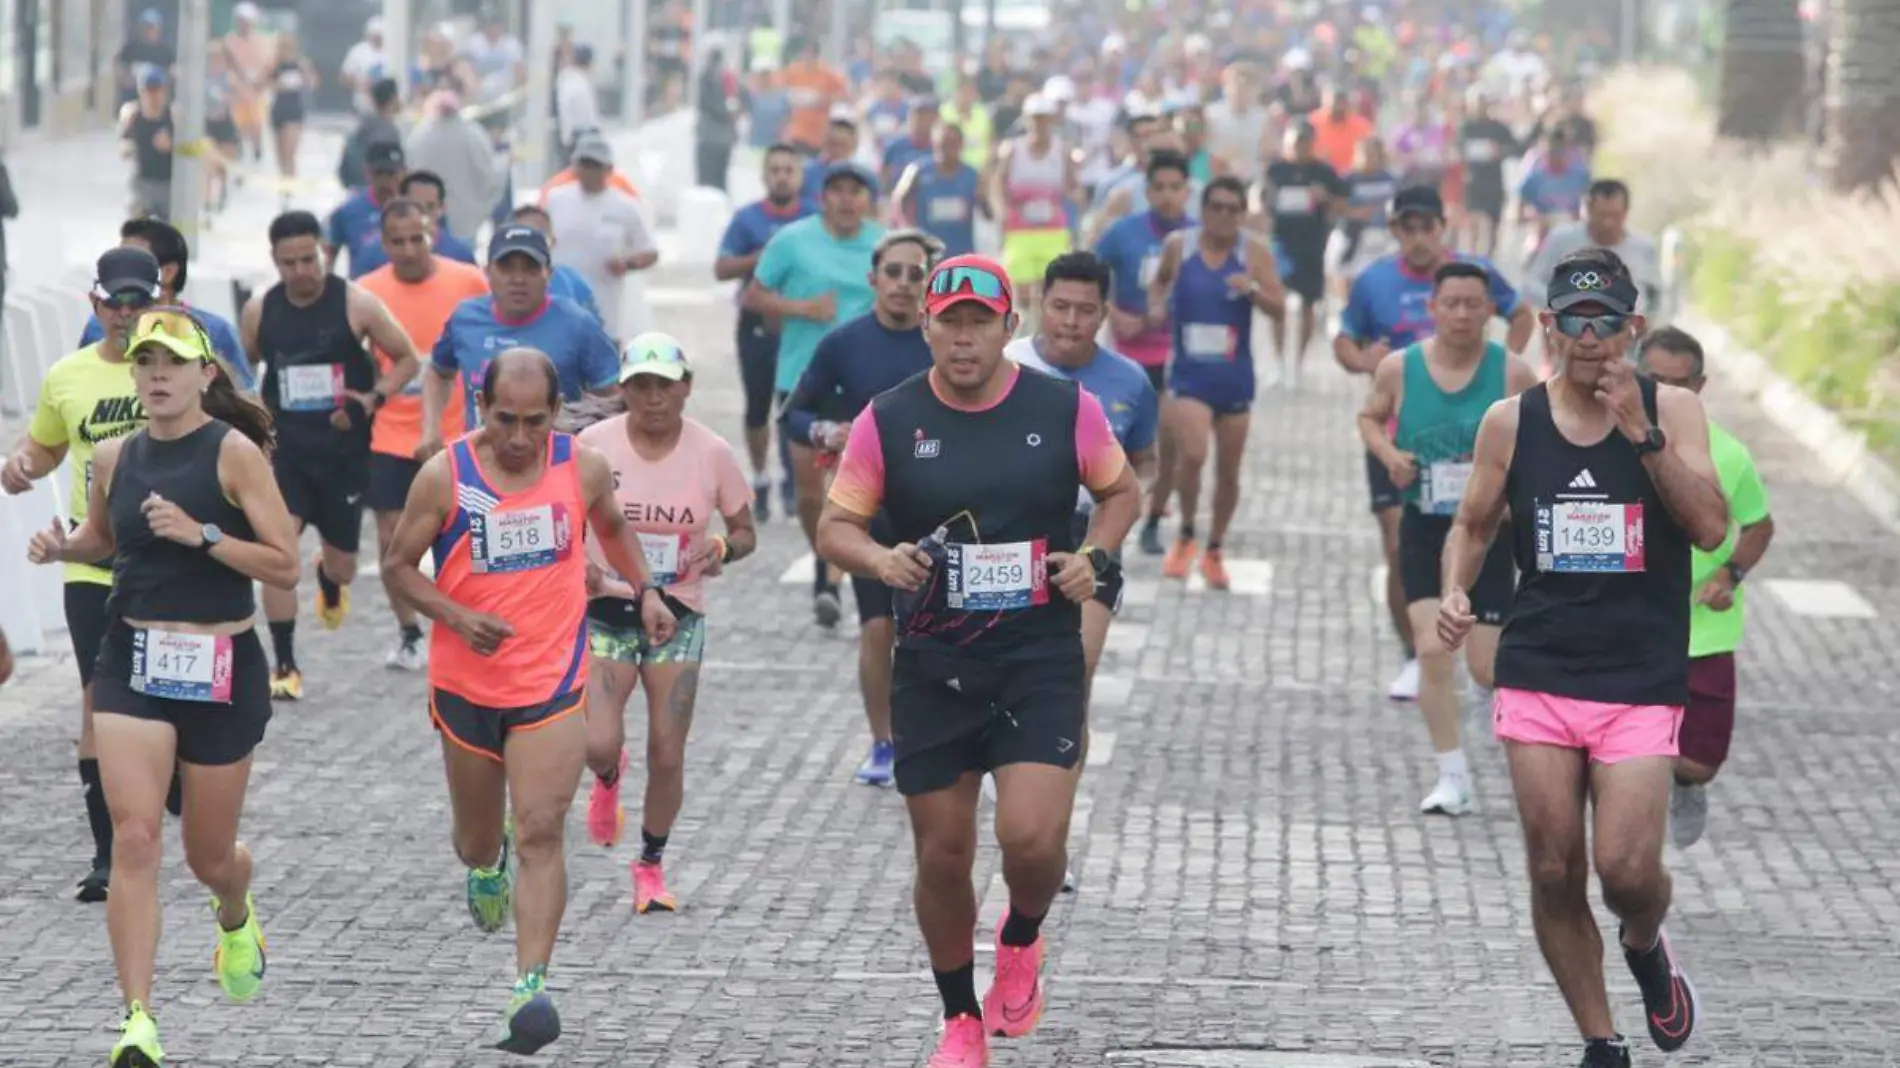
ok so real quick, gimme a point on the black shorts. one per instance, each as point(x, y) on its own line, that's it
point(874, 599)
point(1421, 566)
point(86, 624)
point(758, 369)
point(1108, 585)
point(1306, 272)
point(325, 491)
point(954, 714)
point(286, 111)
point(222, 131)
point(484, 731)
point(389, 480)
point(1384, 494)
point(209, 733)
point(1485, 203)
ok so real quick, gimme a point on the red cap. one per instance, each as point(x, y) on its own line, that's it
point(962, 278)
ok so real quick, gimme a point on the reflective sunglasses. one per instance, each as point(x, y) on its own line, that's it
point(1606, 325)
point(125, 299)
point(975, 281)
point(910, 272)
point(175, 323)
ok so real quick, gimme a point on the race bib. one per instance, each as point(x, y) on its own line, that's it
point(1589, 536)
point(1149, 265)
point(1481, 151)
point(1442, 487)
point(181, 667)
point(1293, 200)
point(997, 578)
point(310, 387)
point(290, 81)
point(804, 98)
point(1039, 213)
point(518, 540)
point(1207, 341)
point(948, 209)
point(666, 557)
point(884, 124)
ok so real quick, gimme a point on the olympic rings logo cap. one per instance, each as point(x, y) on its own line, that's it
point(1607, 284)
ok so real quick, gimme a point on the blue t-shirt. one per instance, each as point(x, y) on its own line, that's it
point(1551, 192)
point(753, 225)
point(567, 282)
point(803, 261)
point(1132, 179)
point(945, 205)
point(886, 118)
point(582, 352)
point(357, 225)
point(224, 342)
point(1371, 189)
point(1128, 398)
point(1389, 303)
point(447, 245)
point(1132, 249)
point(853, 364)
point(900, 154)
point(770, 109)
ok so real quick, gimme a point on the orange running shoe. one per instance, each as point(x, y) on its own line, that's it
point(1014, 1002)
point(963, 1045)
point(605, 817)
point(1214, 569)
point(1180, 559)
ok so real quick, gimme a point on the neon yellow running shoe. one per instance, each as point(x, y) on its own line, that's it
point(138, 1041)
point(530, 1022)
point(239, 959)
point(491, 890)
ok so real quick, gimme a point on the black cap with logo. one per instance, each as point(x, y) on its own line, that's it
point(1418, 200)
point(127, 270)
point(384, 156)
point(516, 238)
point(1605, 282)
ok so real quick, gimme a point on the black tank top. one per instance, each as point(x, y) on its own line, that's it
point(153, 165)
point(1003, 484)
point(1602, 606)
point(158, 579)
point(311, 355)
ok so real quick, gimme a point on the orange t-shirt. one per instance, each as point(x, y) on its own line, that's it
point(812, 88)
point(422, 309)
point(1337, 141)
point(566, 176)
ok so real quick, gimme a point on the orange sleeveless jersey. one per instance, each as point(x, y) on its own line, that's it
point(518, 557)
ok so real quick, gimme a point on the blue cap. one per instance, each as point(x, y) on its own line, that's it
point(151, 17)
point(515, 238)
point(845, 168)
point(583, 54)
point(152, 78)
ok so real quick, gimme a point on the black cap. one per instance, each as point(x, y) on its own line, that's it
point(518, 238)
point(383, 156)
point(127, 269)
point(1574, 283)
point(1418, 200)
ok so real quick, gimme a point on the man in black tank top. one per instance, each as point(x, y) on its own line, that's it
point(1608, 480)
point(145, 132)
point(307, 336)
point(976, 464)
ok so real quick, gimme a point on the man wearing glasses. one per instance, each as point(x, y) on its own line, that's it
point(88, 398)
point(976, 466)
point(853, 364)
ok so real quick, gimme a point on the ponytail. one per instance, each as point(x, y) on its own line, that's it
point(224, 403)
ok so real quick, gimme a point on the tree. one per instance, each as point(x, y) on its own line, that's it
point(1764, 70)
point(1863, 91)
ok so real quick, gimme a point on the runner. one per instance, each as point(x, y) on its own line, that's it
point(1485, 144)
point(1555, 183)
point(671, 475)
point(307, 335)
point(1390, 308)
point(1363, 236)
point(943, 194)
point(1208, 284)
point(563, 281)
point(1034, 182)
point(1421, 421)
point(502, 509)
point(168, 246)
point(1593, 663)
point(599, 230)
point(854, 364)
point(356, 226)
point(1303, 194)
point(745, 239)
point(841, 146)
point(1132, 250)
point(1605, 221)
point(989, 670)
point(187, 511)
point(918, 146)
point(428, 189)
point(88, 398)
point(421, 289)
point(1674, 358)
point(814, 274)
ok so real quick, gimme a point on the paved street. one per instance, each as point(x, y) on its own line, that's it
point(1254, 874)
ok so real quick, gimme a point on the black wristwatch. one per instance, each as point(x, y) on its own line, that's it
point(1736, 572)
point(1098, 558)
point(1653, 441)
point(380, 400)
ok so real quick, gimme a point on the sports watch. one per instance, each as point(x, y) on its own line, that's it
point(1098, 558)
point(1652, 441)
point(212, 535)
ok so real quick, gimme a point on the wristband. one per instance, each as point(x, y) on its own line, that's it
point(725, 550)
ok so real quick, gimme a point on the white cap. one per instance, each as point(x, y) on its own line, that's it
point(374, 27)
point(1114, 44)
point(1297, 59)
point(1059, 89)
point(1037, 104)
point(246, 11)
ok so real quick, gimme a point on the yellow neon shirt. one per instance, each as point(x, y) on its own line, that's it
point(85, 400)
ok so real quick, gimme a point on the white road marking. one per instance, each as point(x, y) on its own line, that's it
point(798, 572)
point(1376, 589)
point(1821, 598)
point(1101, 744)
point(1111, 691)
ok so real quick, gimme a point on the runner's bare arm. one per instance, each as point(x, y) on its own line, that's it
point(1163, 282)
point(1483, 505)
point(247, 479)
point(728, 268)
point(1117, 506)
point(94, 539)
point(372, 319)
point(1518, 376)
point(769, 303)
point(1683, 472)
point(618, 542)
point(1517, 331)
point(1114, 210)
point(996, 181)
point(1270, 297)
point(31, 461)
point(742, 534)
point(248, 320)
point(423, 517)
point(902, 191)
point(1382, 403)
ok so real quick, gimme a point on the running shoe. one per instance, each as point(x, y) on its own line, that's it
point(138, 1041)
point(762, 499)
point(1180, 559)
point(1068, 880)
point(1451, 797)
point(97, 883)
point(649, 890)
point(1606, 1053)
point(878, 766)
point(1014, 1002)
point(408, 655)
point(1151, 538)
point(491, 892)
point(1214, 569)
point(1405, 684)
point(331, 615)
point(239, 958)
point(826, 609)
point(286, 684)
point(530, 1021)
point(963, 1045)
point(1688, 814)
point(605, 817)
point(1668, 995)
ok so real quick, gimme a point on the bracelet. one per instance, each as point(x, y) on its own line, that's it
point(725, 549)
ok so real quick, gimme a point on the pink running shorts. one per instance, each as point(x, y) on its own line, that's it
point(1609, 733)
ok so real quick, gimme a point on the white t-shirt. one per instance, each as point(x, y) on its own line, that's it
point(576, 105)
point(365, 63)
point(591, 229)
point(1237, 137)
point(1094, 123)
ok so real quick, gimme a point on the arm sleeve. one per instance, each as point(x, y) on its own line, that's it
point(859, 485)
point(1098, 456)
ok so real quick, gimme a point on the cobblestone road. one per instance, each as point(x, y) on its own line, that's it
point(1254, 875)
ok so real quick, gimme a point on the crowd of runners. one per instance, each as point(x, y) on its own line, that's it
point(970, 438)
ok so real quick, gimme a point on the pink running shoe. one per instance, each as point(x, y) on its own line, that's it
point(1014, 1002)
point(605, 817)
point(963, 1045)
point(649, 890)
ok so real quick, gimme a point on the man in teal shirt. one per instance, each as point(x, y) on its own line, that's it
point(1673, 357)
point(814, 274)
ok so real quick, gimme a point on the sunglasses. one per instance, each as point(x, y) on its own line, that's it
point(909, 272)
point(975, 281)
point(1606, 325)
point(175, 323)
point(125, 299)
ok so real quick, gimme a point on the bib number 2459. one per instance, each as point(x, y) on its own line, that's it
point(996, 578)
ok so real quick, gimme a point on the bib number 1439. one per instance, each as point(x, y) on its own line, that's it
point(1589, 536)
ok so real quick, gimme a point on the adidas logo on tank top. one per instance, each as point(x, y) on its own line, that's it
point(1583, 480)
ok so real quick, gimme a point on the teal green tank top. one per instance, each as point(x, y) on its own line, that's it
point(1441, 428)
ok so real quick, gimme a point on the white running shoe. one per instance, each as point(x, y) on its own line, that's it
point(1068, 880)
point(408, 656)
point(1451, 797)
point(1405, 684)
point(1688, 814)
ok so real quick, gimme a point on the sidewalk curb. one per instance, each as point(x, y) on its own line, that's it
point(1842, 454)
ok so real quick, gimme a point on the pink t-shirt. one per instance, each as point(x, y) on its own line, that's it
point(859, 485)
point(670, 502)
